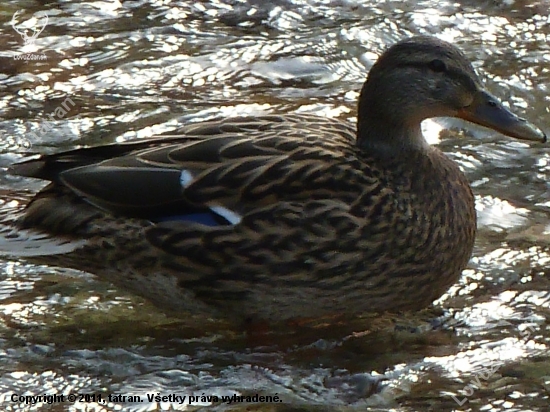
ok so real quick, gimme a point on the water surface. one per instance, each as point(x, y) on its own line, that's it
point(133, 69)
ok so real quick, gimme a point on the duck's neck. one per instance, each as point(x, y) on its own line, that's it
point(389, 137)
point(387, 122)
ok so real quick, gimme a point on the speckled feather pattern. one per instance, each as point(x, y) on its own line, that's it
point(325, 227)
point(279, 217)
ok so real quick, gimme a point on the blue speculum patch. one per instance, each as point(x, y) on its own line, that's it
point(205, 218)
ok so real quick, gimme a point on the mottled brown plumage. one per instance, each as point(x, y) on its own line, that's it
point(281, 217)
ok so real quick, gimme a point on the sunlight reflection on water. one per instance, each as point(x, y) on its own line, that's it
point(135, 69)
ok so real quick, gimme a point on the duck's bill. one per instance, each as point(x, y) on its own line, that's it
point(487, 111)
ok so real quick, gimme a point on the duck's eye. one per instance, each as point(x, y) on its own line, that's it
point(437, 66)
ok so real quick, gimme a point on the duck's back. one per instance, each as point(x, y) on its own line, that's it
point(302, 223)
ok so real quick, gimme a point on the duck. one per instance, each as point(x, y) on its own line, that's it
point(280, 217)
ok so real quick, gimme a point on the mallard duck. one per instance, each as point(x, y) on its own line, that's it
point(282, 216)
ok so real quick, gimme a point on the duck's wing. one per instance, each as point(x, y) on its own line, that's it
point(223, 168)
point(294, 239)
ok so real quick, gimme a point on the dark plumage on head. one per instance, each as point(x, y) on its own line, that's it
point(425, 77)
point(284, 216)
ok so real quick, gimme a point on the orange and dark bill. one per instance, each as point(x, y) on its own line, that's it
point(487, 111)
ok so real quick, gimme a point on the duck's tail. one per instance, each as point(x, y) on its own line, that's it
point(20, 243)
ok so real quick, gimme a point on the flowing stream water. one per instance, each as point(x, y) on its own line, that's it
point(109, 71)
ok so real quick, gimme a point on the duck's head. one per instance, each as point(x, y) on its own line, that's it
point(424, 77)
